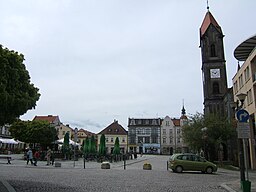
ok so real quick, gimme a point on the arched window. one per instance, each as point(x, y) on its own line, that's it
point(215, 88)
point(213, 51)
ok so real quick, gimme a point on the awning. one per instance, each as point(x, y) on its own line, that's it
point(61, 141)
point(8, 141)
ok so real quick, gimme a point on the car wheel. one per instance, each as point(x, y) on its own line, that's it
point(178, 169)
point(209, 170)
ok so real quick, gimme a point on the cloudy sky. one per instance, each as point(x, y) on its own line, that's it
point(99, 60)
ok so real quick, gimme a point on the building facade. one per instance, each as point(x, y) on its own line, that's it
point(244, 82)
point(111, 132)
point(144, 135)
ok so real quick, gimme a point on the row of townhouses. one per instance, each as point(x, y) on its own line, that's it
point(144, 135)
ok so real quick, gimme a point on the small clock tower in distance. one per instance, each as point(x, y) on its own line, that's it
point(213, 65)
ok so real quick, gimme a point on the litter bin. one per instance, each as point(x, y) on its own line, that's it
point(246, 186)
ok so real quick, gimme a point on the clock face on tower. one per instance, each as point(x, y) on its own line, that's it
point(215, 73)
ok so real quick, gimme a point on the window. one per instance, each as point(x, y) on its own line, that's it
point(164, 139)
point(249, 97)
point(106, 139)
point(147, 131)
point(154, 139)
point(123, 140)
point(147, 139)
point(112, 139)
point(215, 88)
point(241, 82)
point(171, 140)
point(167, 123)
point(164, 131)
point(213, 51)
point(246, 74)
point(63, 132)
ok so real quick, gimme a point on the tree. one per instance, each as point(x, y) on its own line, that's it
point(33, 132)
point(207, 132)
point(93, 145)
point(116, 150)
point(102, 147)
point(65, 147)
point(17, 93)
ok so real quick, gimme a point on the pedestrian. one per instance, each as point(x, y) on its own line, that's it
point(30, 156)
point(48, 155)
point(36, 157)
point(9, 157)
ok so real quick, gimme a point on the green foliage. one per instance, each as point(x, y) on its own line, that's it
point(17, 93)
point(102, 147)
point(116, 150)
point(219, 130)
point(65, 147)
point(93, 145)
point(33, 132)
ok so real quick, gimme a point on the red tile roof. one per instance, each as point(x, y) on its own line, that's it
point(209, 19)
point(114, 129)
point(49, 118)
point(176, 122)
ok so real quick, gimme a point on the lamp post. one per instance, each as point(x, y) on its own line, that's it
point(75, 138)
point(241, 97)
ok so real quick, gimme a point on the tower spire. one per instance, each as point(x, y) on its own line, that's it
point(183, 111)
point(208, 5)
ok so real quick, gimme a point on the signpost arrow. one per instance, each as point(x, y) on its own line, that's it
point(242, 115)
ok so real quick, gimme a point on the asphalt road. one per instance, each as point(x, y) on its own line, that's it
point(67, 178)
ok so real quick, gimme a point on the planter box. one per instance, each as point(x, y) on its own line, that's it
point(147, 166)
point(57, 164)
point(105, 165)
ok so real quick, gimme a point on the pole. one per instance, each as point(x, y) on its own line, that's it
point(124, 156)
point(245, 159)
point(241, 159)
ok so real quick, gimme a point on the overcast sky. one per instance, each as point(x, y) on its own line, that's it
point(99, 60)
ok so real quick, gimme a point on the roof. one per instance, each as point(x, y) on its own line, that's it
point(243, 50)
point(114, 129)
point(176, 122)
point(208, 20)
point(87, 133)
point(49, 118)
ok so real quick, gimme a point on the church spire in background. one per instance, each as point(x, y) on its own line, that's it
point(208, 8)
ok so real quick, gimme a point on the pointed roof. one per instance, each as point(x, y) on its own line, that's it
point(114, 129)
point(208, 20)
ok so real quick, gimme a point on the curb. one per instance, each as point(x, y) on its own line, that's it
point(8, 187)
point(224, 185)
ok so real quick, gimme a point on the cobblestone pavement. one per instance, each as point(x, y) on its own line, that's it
point(67, 178)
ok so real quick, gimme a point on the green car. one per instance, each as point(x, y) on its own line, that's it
point(190, 162)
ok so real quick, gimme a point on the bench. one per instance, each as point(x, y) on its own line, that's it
point(9, 158)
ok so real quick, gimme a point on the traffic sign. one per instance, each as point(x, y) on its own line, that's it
point(243, 130)
point(242, 115)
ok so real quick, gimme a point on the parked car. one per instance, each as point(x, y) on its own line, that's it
point(190, 162)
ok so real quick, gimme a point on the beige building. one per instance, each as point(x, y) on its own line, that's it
point(62, 130)
point(83, 134)
point(244, 81)
point(111, 132)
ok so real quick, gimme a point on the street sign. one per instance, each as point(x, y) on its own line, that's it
point(242, 115)
point(243, 130)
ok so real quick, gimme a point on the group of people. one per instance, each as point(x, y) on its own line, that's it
point(33, 158)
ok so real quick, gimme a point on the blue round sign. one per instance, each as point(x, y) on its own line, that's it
point(242, 115)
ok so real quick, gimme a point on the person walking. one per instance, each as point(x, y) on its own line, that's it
point(48, 155)
point(30, 156)
point(36, 157)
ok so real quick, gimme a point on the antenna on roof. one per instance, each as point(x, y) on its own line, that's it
point(208, 5)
